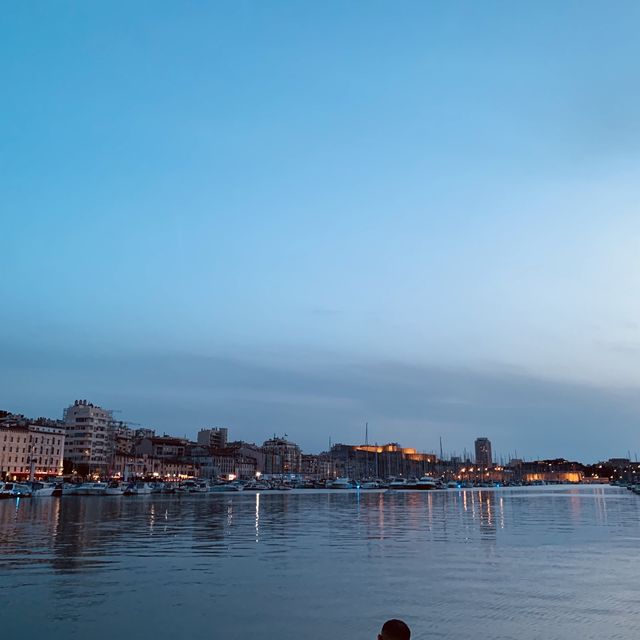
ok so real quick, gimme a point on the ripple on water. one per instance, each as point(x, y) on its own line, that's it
point(527, 563)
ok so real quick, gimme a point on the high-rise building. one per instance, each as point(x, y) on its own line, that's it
point(483, 452)
point(88, 436)
point(215, 437)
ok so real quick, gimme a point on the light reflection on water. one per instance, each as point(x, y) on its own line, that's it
point(548, 562)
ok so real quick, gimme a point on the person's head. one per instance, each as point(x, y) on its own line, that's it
point(394, 630)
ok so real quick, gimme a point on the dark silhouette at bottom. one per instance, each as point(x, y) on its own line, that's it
point(394, 630)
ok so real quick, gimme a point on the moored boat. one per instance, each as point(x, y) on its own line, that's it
point(14, 490)
point(281, 487)
point(225, 486)
point(91, 489)
point(194, 486)
point(342, 483)
point(115, 488)
point(256, 486)
point(137, 489)
point(45, 489)
point(399, 483)
point(426, 483)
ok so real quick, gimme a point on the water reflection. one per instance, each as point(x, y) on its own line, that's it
point(332, 561)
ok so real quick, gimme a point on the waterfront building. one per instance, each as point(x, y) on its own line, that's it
point(249, 450)
point(214, 437)
point(162, 447)
point(483, 452)
point(380, 461)
point(202, 458)
point(551, 471)
point(310, 466)
point(240, 459)
point(229, 463)
point(87, 443)
point(132, 465)
point(281, 456)
point(30, 446)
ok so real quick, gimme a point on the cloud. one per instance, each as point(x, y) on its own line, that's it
point(313, 399)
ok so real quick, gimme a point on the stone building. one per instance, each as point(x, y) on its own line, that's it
point(28, 446)
point(375, 461)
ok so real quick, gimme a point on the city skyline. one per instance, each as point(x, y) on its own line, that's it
point(307, 217)
point(479, 452)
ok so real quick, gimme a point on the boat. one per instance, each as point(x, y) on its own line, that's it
point(69, 488)
point(45, 489)
point(370, 484)
point(115, 488)
point(224, 487)
point(426, 483)
point(194, 486)
point(137, 489)
point(400, 483)
point(280, 487)
point(91, 489)
point(452, 484)
point(342, 483)
point(256, 486)
point(14, 490)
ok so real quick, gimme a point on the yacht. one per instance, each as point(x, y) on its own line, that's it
point(399, 483)
point(14, 490)
point(115, 488)
point(194, 486)
point(91, 489)
point(137, 489)
point(280, 487)
point(426, 483)
point(342, 483)
point(45, 489)
point(256, 486)
point(69, 488)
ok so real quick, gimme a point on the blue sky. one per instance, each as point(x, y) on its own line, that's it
point(296, 217)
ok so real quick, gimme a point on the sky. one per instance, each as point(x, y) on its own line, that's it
point(299, 217)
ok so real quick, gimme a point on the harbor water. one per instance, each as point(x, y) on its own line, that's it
point(526, 562)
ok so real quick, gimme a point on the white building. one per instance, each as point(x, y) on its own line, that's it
point(88, 441)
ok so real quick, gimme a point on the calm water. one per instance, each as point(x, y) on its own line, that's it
point(521, 563)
